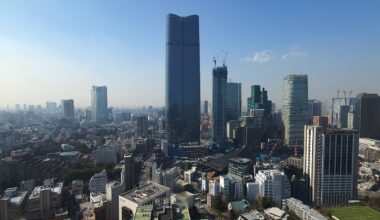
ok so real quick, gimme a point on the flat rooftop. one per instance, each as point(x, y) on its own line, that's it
point(56, 189)
point(145, 193)
point(240, 160)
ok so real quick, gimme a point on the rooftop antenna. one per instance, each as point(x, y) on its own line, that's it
point(350, 92)
point(225, 57)
point(214, 60)
point(338, 92)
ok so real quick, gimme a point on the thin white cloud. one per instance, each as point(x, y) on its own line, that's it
point(259, 57)
point(294, 52)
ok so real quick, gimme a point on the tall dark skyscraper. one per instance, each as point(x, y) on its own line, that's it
point(233, 101)
point(68, 108)
point(369, 115)
point(99, 103)
point(259, 99)
point(182, 79)
point(219, 96)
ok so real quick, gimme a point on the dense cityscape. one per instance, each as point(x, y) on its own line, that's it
point(230, 157)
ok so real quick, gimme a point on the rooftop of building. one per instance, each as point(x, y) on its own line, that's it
point(15, 197)
point(240, 160)
point(69, 153)
point(54, 188)
point(275, 212)
point(253, 214)
point(145, 193)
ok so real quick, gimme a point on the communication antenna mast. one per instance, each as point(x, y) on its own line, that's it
point(214, 60)
point(338, 92)
point(225, 57)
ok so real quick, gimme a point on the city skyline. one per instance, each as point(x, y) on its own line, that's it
point(52, 51)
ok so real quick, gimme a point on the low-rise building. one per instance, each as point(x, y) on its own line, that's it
point(12, 204)
point(98, 182)
point(151, 193)
point(303, 211)
point(44, 200)
point(273, 184)
point(369, 149)
point(275, 213)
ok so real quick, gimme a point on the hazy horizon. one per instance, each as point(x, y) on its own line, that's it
point(51, 50)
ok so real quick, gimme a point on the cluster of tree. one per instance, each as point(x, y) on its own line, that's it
point(261, 203)
point(48, 146)
point(86, 171)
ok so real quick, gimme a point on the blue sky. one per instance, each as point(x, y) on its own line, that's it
point(52, 50)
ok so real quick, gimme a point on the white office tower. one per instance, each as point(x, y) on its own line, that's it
point(97, 183)
point(113, 190)
point(213, 187)
point(252, 191)
point(295, 108)
point(330, 165)
point(273, 184)
point(99, 104)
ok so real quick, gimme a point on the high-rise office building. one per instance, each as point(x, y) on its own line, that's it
point(142, 126)
point(51, 107)
point(68, 108)
point(259, 99)
point(330, 165)
point(315, 109)
point(205, 107)
point(233, 101)
point(99, 104)
point(295, 108)
point(341, 107)
point(219, 95)
point(369, 115)
point(113, 191)
point(127, 172)
point(182, 79)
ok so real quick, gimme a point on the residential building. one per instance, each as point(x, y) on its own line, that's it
point(303, 211)
point(273, 184)
point(97, 183)
point(182, 79)
point(295, 108)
